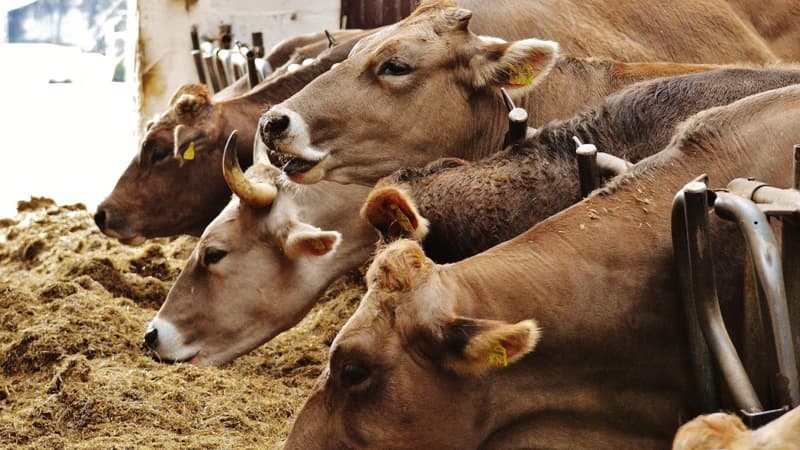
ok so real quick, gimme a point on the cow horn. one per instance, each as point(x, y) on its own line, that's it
point(257, 195)
point(331, 41)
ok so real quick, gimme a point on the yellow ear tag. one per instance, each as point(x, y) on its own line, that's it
point(402, 219)
point(188, 154)
point(498, 356)
point(522, 75)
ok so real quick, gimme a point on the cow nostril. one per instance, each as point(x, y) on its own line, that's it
point(274, 123)
point(100, 219)
point(151, 337)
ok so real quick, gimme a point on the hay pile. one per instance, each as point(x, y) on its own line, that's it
point(73, 309)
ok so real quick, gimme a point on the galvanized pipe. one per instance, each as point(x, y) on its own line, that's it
point(588, 172)
point(705, 384)
point(779, 201)
point(703, 286)
point(222, 57)
point(212, 72)
point(612, 165)
point(767, 263)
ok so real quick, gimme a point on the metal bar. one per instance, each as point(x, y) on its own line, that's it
point(517, 125)
point(705, 294)
point(612, 165)
point(588, 172)
point(705, 383)
point(212, 73)
point(252, 75)
point(767, 262)
point(197, 56)
point(783, 201)
point(221, 56)
point(517, 121)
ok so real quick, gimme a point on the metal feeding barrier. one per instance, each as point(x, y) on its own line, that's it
point(221, 61)
point(772, 303)
point(593, 166)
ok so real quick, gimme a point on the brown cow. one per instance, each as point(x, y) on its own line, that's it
point(260, 265)
point(427, 87)
point(567, 336)
point(598, 78)
point(187, 306)
point(726, 431)
point(310, 45)
point(174, 185)
point(776, 21)
point(472, 207)
point(186, 310)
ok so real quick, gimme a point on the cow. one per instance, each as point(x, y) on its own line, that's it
point(303, 46)
point(174, 184)
point(726, 431)
point(555, 99)
point(187, 305)
point(260, 265)
point(468, 208)
point(567, 336)
point(775, 21)
point(427, 87)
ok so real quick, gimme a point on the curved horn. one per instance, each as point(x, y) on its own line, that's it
point(257, 195)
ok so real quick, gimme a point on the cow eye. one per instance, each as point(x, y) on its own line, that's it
point(159, 154)
point(213, 255)
point(394, 68)
point(354, 374)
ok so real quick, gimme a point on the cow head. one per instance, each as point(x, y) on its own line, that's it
point(425, 88)
point(260, 265)
point(405, 370)
point(172, 186)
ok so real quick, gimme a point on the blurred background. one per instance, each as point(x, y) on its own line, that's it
point(80, 78)
point(67, 103)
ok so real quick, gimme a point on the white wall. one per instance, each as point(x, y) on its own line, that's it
point(164, 59)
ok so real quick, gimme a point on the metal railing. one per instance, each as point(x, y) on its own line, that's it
point(748, 203)
point(219, 63)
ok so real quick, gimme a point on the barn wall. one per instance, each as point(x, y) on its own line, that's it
point(163, 59)
point(374, 13)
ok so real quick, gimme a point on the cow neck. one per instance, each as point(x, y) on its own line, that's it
point(488, 125)
point(580, 324)
point(623, 358)
point(556, 96)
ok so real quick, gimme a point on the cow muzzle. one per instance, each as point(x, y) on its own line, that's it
point(285, 134)
point(165, 343)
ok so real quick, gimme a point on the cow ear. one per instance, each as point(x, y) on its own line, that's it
point(516, 66)
point(305, 240)
point(392, 212)
point(189, 101)
point(183, 139)
point(475, 346)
